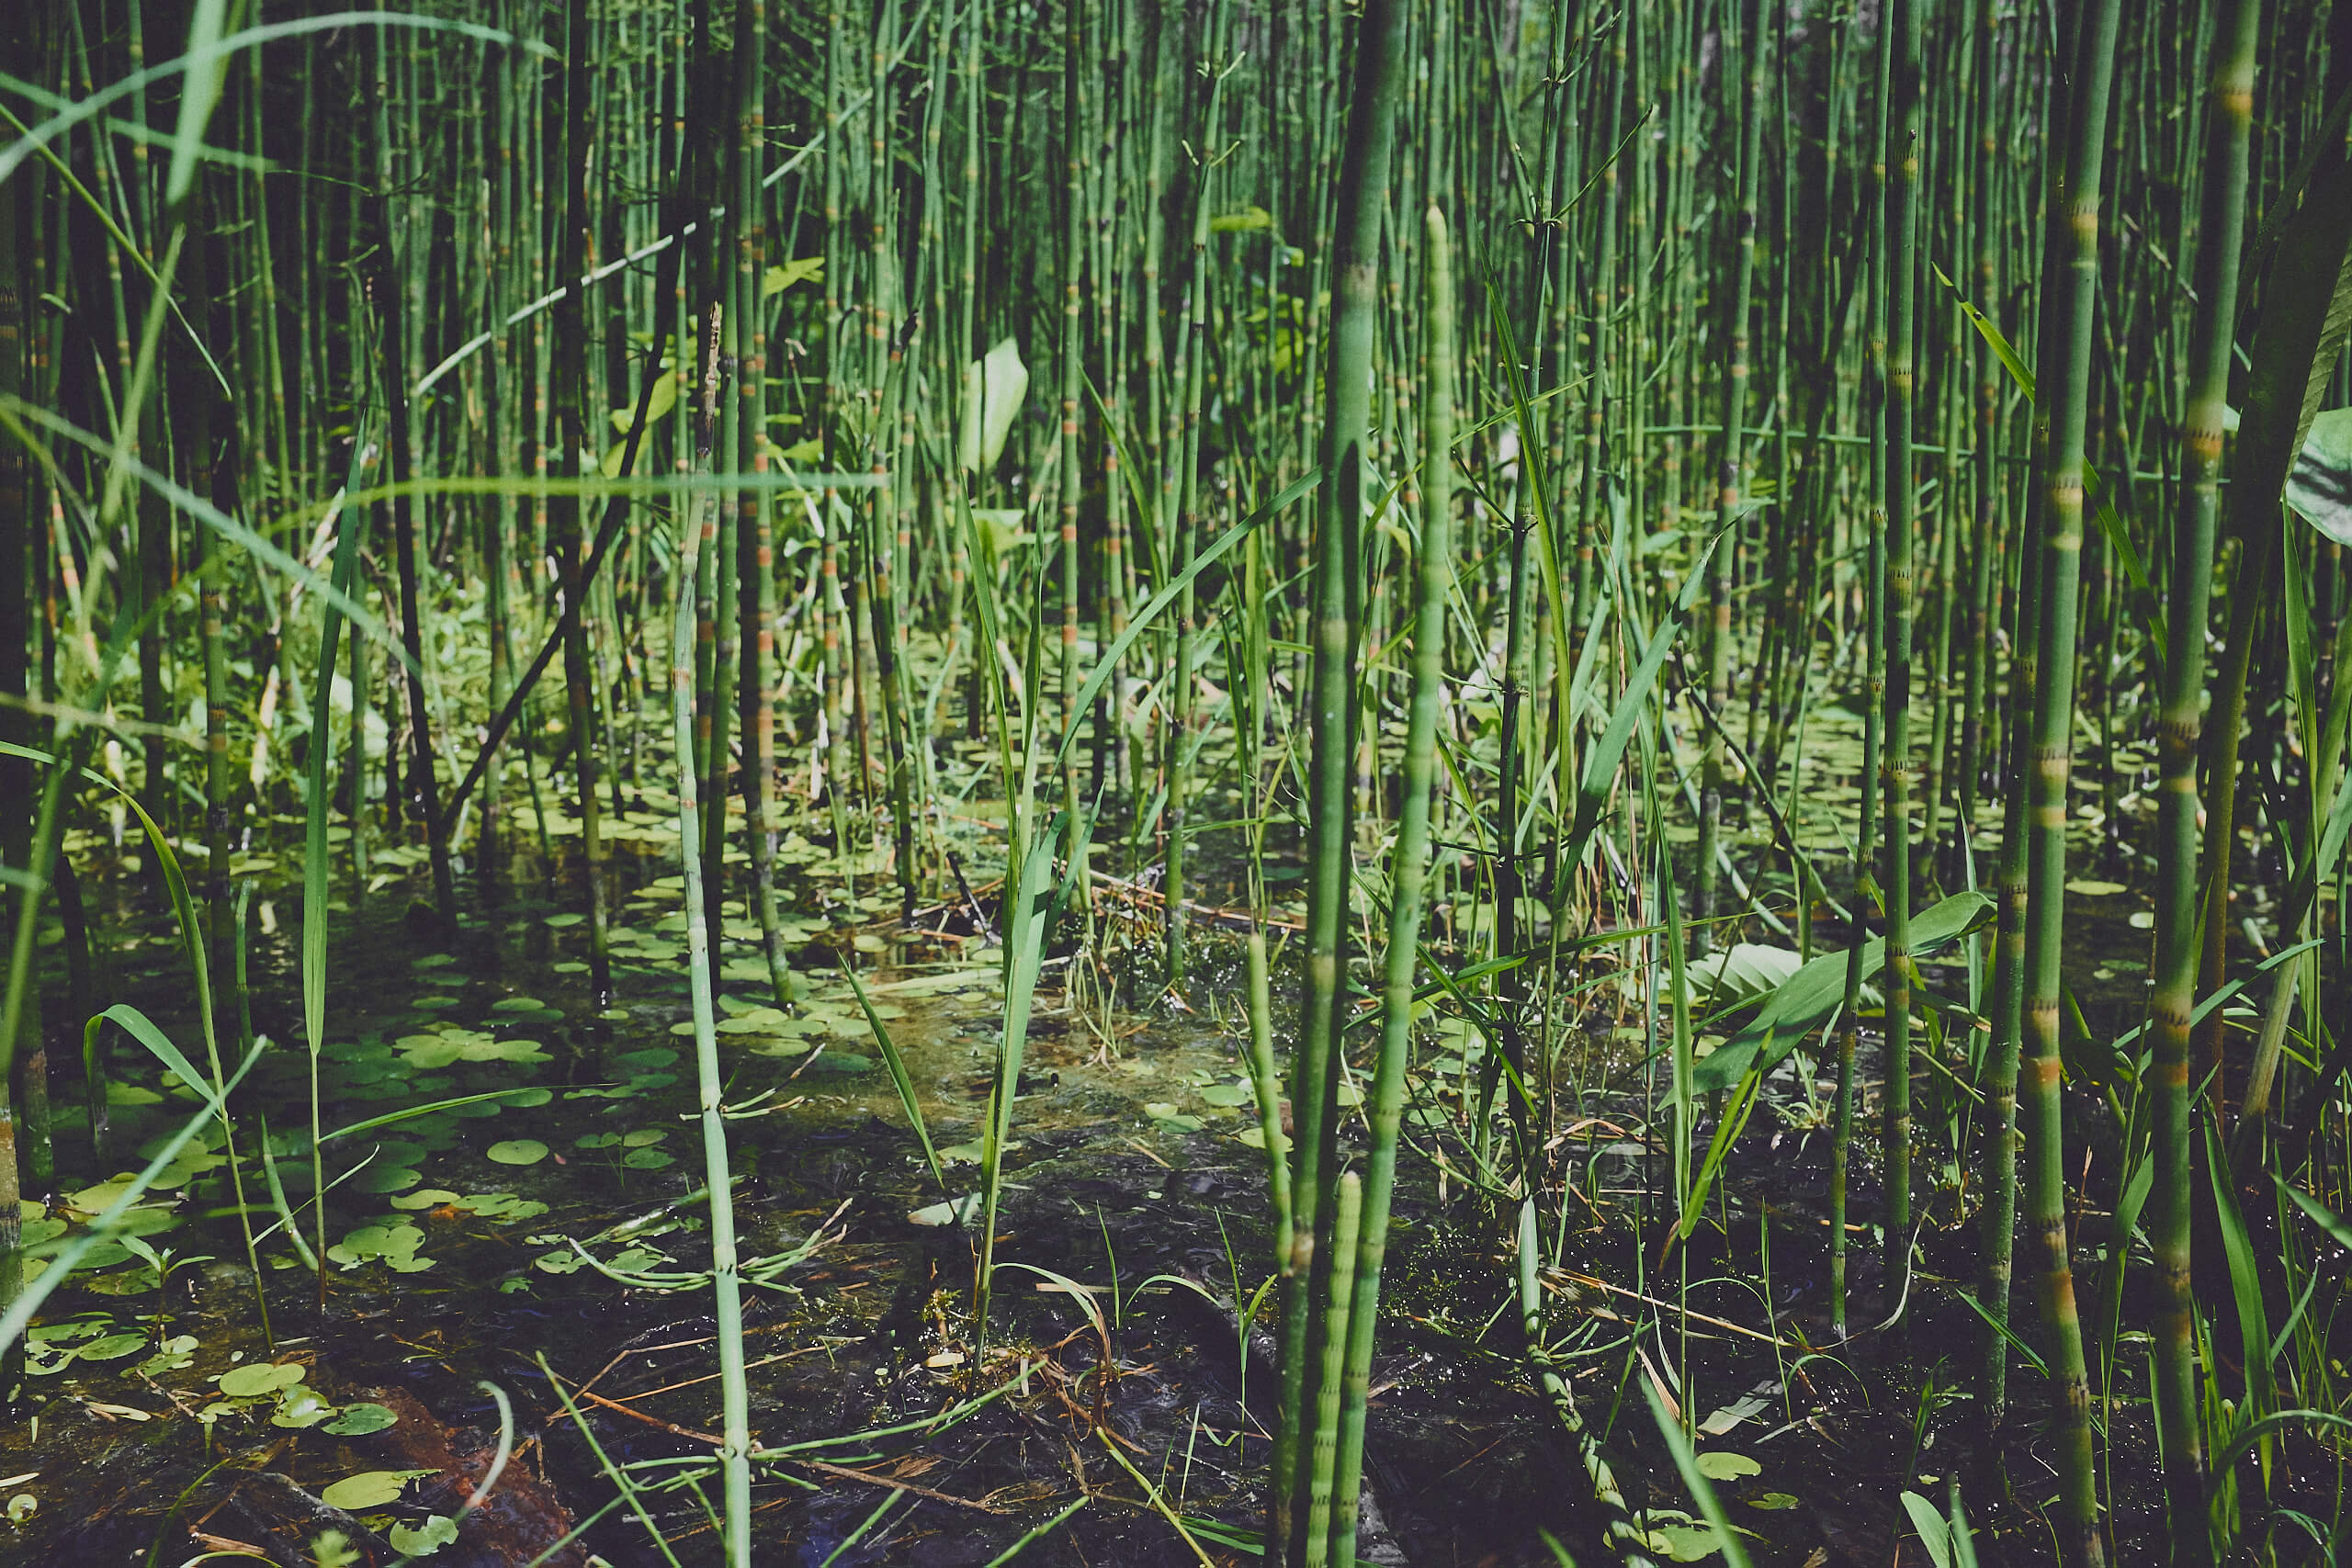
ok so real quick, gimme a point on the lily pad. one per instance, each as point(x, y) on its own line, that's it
point(437, 1530)
point(359, 1420)
point(1724, 1466)
point(261, 1378)
point(113, 1347)
point(369, 1489)
point(517, 1151)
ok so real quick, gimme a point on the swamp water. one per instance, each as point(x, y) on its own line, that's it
point(540, 1238)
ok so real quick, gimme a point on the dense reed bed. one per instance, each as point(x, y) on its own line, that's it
point(1701, 644)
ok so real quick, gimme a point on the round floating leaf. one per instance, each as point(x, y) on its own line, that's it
point(423, 1198)
point(642, 1136)
point(1721, 1466)
point(1687, 1543)
point(1773, 1501)
point(300, 1407)
point(528, 1097)
point(517, 1151)
point(113, 1347)
point(2090, 888)
point(359, 1420)
point(260, 1378)
point(1228, 1094)
point(437, 1530)
point(649, 1159)
point(567, 918)
point(516, 1004)
point(379, 1179)
point(368, 1489)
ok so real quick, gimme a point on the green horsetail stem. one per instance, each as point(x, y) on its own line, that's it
point(727, 1281)
point(1900, 152)
point(2070, 296)
point(1408, 874)
point(1337, 623)
point(2174, 970)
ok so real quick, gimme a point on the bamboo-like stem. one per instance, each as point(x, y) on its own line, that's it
point(1731, 471)
point(2222, 227)
point(1408, 876)
point(726, 1283)
point(1346, 418)
point(1323, 1456)
point(2070, 296)
point(1900, 131)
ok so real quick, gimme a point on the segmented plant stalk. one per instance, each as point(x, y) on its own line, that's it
point(2074, 207)
point(756, 522)
point(1409, 875)
point(1901, 152)
point(726, 1283)
point(1347, 419)
point(1323, 1458)
point(1730, 474)
point(572, 392)
point(2221, 231)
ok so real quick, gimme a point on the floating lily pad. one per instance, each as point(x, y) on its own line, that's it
point(359, 1420)
point(379, 1178)
point(300, 1407)
point(517, 1151)
point(113, 1346)
point(369, 1489)
point(437, 1531)
point(260, 1378)
point(423, 1198)
point(1229, 1094)
point(566, 920)
point(1723, 1466)
point(649, 1159)
point(516, 1004)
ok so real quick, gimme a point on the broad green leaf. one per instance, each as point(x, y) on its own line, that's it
point(260, 1378)
point(1934, 1532)
point(994, 386)
point(359, 1420)
point(1808, 999)
point(369, 1489)
point(2320, 489)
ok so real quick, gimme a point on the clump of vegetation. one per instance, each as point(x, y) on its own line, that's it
point(1131, 782)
